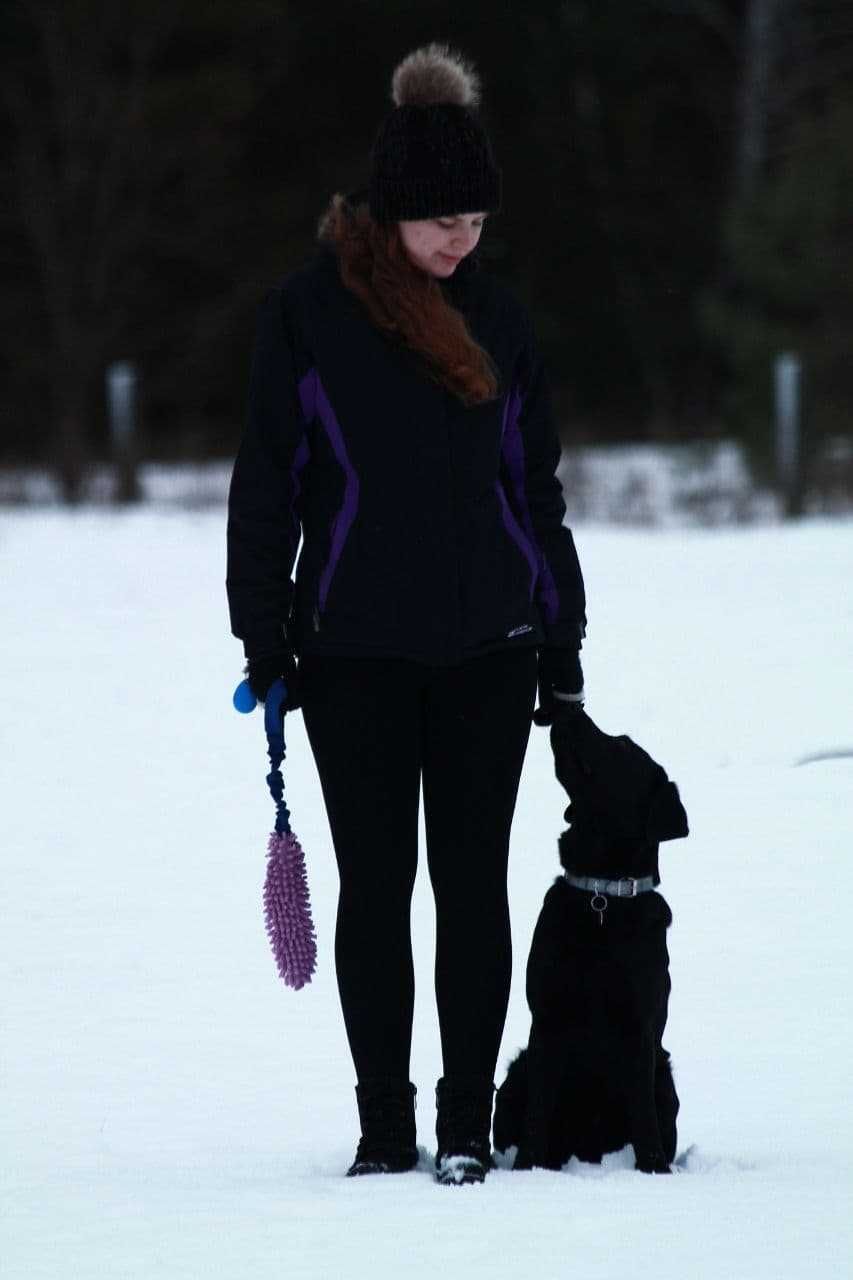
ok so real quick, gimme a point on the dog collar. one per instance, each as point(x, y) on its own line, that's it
point(628, 888)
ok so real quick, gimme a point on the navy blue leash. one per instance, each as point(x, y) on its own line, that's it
point(274, 726)
point(245, 701)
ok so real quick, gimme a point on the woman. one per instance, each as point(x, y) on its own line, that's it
point(399, 421)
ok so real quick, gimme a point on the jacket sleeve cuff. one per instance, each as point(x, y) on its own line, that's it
point(569, 697)
point(263, 644)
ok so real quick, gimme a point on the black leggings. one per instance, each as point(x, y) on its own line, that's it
point(375, 725)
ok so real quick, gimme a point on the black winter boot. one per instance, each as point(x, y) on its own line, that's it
point(386, 1109)
point(463, 1128)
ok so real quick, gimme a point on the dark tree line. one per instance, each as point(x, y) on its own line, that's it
point(678, 180)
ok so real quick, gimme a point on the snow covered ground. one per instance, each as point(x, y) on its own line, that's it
point(169, 1109)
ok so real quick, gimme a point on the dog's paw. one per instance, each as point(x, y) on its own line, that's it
point(655, 1163)
point(532, 1158)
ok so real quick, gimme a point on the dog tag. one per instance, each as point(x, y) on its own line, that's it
point(599, 904)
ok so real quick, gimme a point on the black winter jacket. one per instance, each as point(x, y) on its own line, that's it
point(430, 530)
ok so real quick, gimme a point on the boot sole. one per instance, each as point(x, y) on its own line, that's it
point(364, 1167)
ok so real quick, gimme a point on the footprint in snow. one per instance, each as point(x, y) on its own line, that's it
point(834, 753)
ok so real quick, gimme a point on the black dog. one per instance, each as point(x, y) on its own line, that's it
point(595, 1075)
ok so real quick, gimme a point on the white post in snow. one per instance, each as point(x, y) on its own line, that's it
point(121, 406)
point(787, 381)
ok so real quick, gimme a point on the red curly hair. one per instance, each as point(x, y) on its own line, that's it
point(405, 301)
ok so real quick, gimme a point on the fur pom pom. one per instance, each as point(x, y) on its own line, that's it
point(435, 74)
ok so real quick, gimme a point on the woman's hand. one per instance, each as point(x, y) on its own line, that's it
point(560, 681)
point(264, 670)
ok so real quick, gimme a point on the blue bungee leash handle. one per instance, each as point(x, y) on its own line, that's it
point(244, 700)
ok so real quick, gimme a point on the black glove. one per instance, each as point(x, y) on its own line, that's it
point(263, 670)
point(559, 672)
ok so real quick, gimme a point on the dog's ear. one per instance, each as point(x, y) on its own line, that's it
point(666, 819)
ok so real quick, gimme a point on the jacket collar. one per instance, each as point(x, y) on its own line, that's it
point(458, 286)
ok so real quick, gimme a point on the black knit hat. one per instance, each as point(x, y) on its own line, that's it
point(431, 156)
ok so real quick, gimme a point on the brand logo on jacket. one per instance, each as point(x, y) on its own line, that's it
point(519, 631)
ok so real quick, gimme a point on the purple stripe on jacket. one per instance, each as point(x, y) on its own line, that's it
point(512, 447)
point(515, 532)
point(316, 403)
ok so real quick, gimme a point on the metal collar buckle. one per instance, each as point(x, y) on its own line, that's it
point(631, 892)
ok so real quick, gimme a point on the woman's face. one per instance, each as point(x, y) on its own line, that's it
point(437, 245)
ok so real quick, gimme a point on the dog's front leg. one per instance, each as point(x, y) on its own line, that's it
point(642, 1109)
point(546, 1060)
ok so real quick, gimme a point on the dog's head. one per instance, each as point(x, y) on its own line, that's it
point(622, 802)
